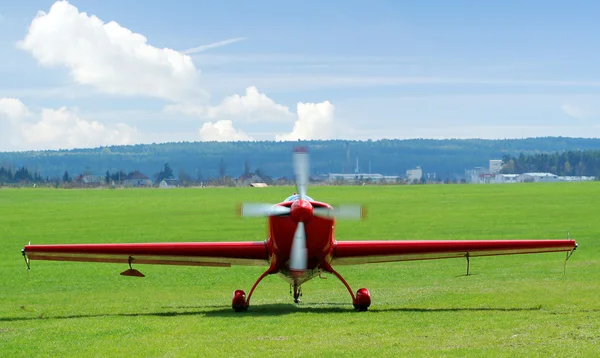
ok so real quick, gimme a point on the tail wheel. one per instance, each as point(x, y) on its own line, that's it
point(363, 299)
point(238, 301)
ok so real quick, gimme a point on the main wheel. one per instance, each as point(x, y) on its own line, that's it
point(238, 301)
point(363, 299)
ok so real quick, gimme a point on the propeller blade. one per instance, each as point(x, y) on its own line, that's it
point(343, 211)
point(298, 256)
point(301, 169)
point(262, 209)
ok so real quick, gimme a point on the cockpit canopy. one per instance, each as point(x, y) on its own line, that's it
point(297, 197)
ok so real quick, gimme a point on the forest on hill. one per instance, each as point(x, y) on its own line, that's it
point(448, 158)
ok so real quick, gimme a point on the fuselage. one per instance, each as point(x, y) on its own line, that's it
point(320, 241)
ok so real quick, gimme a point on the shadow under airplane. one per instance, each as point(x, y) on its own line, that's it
point(266, 310)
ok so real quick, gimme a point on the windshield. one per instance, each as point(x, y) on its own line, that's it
point(296, 197)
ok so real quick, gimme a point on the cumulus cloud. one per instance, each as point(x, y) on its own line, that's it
point(13, 109)
point(222, 131)
point(251, 107)
point(315, 121)
point(109, 57)
point(115, 60)
point(56, 129)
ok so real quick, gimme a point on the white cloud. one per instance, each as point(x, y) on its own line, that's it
point(56, 129)
point(577, 111)
point(109, 57)
point(115, 60)
point(251, 107)
point(222, 131)
point(211, 46)
point(13, 109)
point(315, 121)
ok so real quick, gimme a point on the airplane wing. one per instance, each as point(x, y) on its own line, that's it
point(221, 254)
point(363, 252)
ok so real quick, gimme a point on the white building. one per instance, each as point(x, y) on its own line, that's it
point(351, 178)
point(495, 166)
point(507, 178)
point(537, 177)
point(477, 175)
point(414, 174)
point(576, 178)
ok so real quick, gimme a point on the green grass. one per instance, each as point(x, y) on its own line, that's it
point(520, 305)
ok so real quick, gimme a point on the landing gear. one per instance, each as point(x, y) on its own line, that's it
point(297, 293)
point(362, 300)
point(239, 302)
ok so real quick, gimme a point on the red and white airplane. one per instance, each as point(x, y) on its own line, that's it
point(300, 245)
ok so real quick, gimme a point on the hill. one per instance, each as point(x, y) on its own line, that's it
point(448, 158)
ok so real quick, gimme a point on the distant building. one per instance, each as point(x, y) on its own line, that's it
point(137, 179)
point(495, 166)
point(362, 177)
point(246, 180)
point(258, 185)
point(537, 177)
point(575, 178)
point(506, 178)
point(414, 174)
point(90, 179)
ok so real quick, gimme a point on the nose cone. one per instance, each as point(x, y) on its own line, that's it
point(301, 211)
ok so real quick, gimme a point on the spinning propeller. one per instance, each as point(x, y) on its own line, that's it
point(301, 211)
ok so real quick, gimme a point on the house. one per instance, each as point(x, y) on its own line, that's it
point(137, 179)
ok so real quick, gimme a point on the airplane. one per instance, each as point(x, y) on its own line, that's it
point(300, 245)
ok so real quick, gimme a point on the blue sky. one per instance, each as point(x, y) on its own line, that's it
point(315, 69)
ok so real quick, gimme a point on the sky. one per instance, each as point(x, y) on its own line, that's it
point(94, 73)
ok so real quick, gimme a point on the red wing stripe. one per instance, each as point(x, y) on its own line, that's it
point(357, 252)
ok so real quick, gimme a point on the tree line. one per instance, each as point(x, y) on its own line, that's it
point(220, 163)
point(19, 176)
point(568, 163)
point(448, 158)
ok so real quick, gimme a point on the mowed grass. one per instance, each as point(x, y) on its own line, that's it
point(518, 305)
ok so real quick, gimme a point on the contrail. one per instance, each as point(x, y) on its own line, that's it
point(213, 45)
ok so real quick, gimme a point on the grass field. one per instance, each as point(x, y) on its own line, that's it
point(520, 305)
